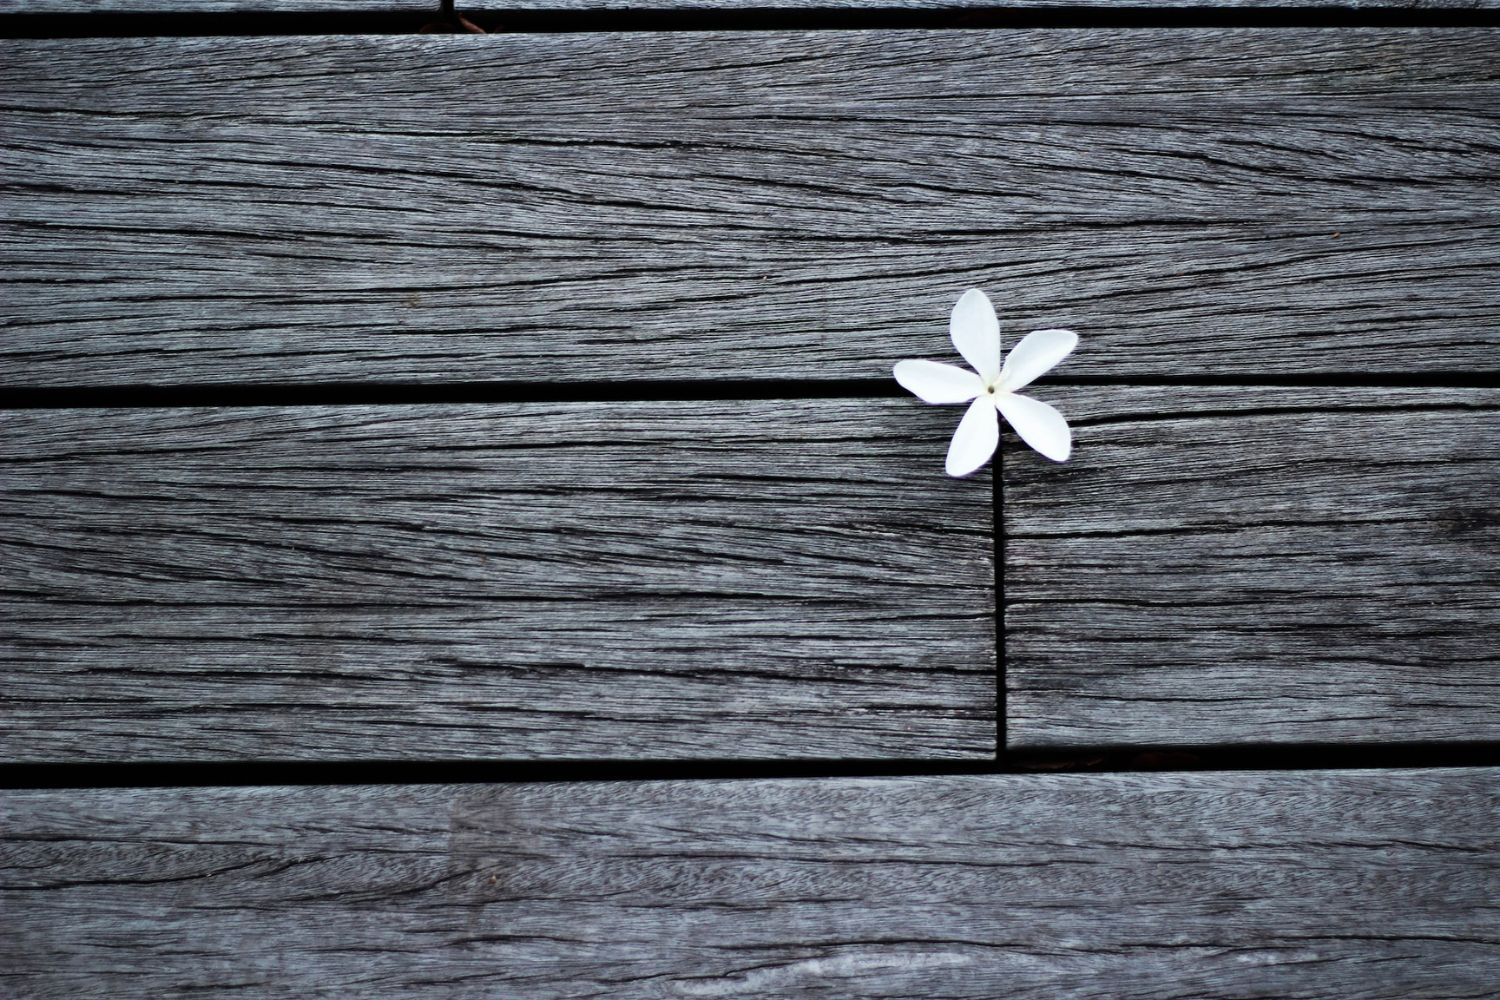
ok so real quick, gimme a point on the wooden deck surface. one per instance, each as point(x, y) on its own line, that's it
point(794, 205)
point(459, 535)
point(1144, 885)
point(502, 7)
point(494, 580)
point(1257, 565)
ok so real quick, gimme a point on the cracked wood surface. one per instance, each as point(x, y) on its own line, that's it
point(706, 579)
point(747, 579)
point(1256, 564)
point(1376, 884)
point(86, 7)
point(503, 6)
point(580, 207)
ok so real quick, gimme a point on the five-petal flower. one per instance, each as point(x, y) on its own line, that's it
point(992, 386)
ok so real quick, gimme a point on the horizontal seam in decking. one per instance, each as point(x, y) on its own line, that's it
point(669, 390)
point(1091, 760)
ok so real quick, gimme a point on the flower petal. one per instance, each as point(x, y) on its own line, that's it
point(932, 382)
point(1039, 425)
point(976, 332)
point(975, 440)
point(1035, 355)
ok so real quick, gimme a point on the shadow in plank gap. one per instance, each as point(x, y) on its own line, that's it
point(401, 393)
point(971, 888)
point(1259, 565)
point(785, 578)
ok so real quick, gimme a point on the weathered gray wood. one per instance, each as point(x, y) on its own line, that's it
point(85, 7)
point(689, 579)
point(1257, 565)
point(501, 6)
point(799, 205)
point(1347, 884)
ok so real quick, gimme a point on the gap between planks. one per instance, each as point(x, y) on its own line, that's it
point(169, 396)
point(1140, 759)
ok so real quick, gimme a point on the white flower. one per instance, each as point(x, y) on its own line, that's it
point(976, 334)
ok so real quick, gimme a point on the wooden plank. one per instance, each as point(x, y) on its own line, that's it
point(675, 579)
point(85, 7)
point(1368, 884)
point(501, 6)
point(1257, 564)
point(789, 205)
point(504, 6)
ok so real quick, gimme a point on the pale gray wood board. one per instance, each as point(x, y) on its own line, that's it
point(530, 6)
point(1369, 884)
point(788, 205)
point(1256, 564)
point(1082, 8)
point(86, 7)
point(716, 579)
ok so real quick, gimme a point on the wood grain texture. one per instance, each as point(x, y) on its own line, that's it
point(798, 205)
point(1257, 565)
point(575, 580)
point(1210, 885)
point(501, 6)
point(85, 7)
